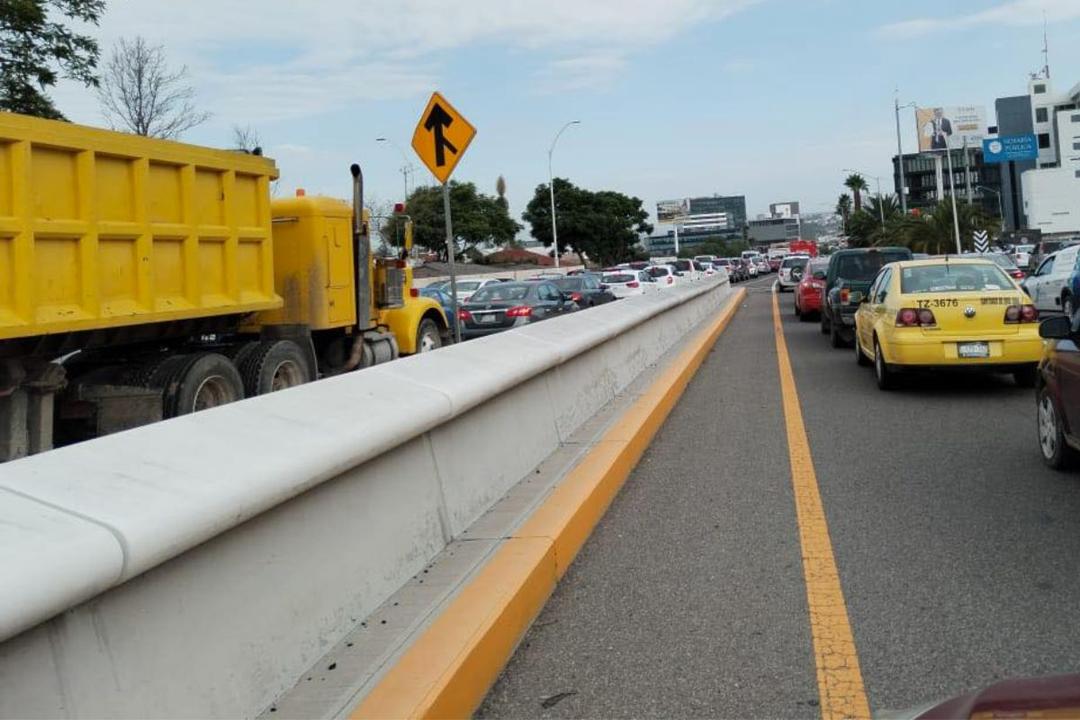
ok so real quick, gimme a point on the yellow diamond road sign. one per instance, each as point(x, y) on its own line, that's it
point(441, 137)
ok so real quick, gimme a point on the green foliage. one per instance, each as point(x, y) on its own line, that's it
point(856, 183)
point(843, 207)
point(604, 225)
point(933, 231)
point(35, 52)
point(864, 228)
point(476, 218)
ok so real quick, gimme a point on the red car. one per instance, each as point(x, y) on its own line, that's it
point(808, 292)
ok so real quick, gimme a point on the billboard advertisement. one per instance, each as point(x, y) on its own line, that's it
point(941, 128)
point(1010, 147)
point(669, 211)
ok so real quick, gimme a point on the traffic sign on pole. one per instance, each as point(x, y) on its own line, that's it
point(441, 137)
point(982, 241)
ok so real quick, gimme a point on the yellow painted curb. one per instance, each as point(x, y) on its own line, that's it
point(448, 670)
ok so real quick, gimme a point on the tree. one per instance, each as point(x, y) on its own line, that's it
point(246, 139)
point(35, 52)
point(856, 183)
point(843, 209)
point(476, 218)
point(605, 225)
point(141, 94)
point(865, 226)
point(932, 231)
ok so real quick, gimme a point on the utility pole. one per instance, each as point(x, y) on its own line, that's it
point(952, 195)
point(406, 166)
point(967, 171)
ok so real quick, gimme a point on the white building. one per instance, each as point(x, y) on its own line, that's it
point(1051, 191)
point(705, 222)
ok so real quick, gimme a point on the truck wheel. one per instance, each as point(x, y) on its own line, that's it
point(427, 336)
point(200, 381)
point(273, 365)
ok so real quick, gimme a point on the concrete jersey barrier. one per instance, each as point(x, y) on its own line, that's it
point(197, 566)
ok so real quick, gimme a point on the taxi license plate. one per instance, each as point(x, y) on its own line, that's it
point(485, 319)
point(973, 350)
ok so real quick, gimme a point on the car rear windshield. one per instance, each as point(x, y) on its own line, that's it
point(658, 271)
point(864, 266)
point(957, 277)
point(468, 285)
point(619, 278)
point(500, 293)
point(570, 283)
point(1003, 261)
point(725, 262)
point(683, 265)
point(795, 262)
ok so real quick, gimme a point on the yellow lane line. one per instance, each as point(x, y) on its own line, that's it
point(840, 682)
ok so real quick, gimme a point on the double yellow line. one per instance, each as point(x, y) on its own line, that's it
point(840, 682)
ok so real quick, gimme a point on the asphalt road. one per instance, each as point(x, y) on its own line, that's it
point(957, 549)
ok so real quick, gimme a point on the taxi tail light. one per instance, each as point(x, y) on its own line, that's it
point(845, 295)
point(912, 317)
point(1021, 314)
point(519, 311)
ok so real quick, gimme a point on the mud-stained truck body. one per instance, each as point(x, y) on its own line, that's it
point(142, 279)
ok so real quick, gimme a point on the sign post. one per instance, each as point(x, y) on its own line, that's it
point(440, 139)
point(982, 241)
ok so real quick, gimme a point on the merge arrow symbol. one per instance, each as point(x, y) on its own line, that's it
point(438, 120)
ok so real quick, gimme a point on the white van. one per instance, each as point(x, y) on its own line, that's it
point(1050, 286)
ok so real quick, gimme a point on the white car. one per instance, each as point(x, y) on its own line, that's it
point(687, 268)
point(664, 275)
point(628, 283)
point(1050, 286)
point(791, 272)
point(1021, 255)
point(466, 288)
point(751, 268)
point(704, 259)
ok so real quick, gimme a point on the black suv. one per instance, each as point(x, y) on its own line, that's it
point(849, 277)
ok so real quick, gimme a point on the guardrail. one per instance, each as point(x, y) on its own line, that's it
point(198, 566)
point(498, 275)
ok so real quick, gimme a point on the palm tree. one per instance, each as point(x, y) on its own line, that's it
point(856, 183)
point(933, 231)
point(843, 208)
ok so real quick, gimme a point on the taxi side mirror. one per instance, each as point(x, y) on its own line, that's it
point(1056, 328)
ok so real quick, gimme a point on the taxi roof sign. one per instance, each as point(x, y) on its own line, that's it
point(441, 137)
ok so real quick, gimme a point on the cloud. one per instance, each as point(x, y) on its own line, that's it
point(1015, 13)
point(279, 59)
point(582, 72)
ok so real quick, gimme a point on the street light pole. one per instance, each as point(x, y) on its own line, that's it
point(952, 195)
point(1001, 210)
point(900, 152)
point(405, 168)
point(551, 189)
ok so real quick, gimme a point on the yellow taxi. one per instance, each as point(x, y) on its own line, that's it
point(947, 312)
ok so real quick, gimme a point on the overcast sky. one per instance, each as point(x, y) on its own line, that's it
point(768, 98)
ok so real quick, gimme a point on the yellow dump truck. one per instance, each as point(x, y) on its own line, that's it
point(142, 279)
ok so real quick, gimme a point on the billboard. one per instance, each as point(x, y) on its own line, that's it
point(1010, 147)
point(669, 211)
point(941, 128)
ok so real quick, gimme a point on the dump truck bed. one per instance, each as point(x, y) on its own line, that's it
point(101, 229)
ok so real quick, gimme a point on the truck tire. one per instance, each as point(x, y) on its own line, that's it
point(199, 381)
point(273, 365)
point(428, 337)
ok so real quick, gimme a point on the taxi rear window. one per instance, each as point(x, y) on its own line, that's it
point(957, 277)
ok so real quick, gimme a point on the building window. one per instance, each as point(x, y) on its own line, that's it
point(1042, 115)
point(1039, 89)
point(1078, 173)
point(1049, 166)
point(1076, 146)
point(1076, 118)
point(1044, 141)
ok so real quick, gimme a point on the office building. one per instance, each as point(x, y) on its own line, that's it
point(1050, 117)
point(772, 230)
point(920, 175)
point(711, 219)
point(784, 210)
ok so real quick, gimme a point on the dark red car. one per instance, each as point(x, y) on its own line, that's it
point(1057, 392)
point(774, 263)
point(808, 291)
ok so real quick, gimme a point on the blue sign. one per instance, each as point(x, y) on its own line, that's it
point(1010, 147)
